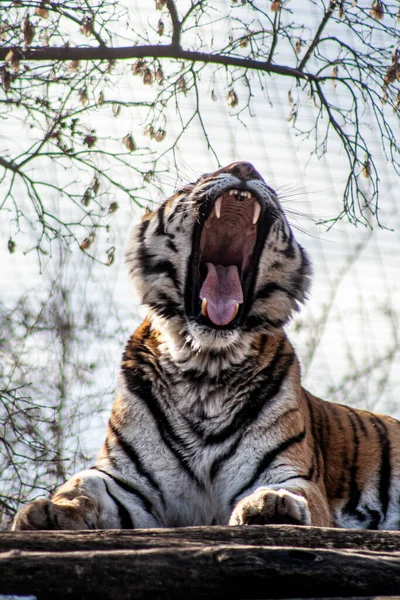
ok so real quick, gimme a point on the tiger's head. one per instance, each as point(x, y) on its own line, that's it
point(218, 260)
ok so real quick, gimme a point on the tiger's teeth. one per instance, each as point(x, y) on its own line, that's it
point(236, 311)
point(257, 212)
point(204, 307)
point(217, 207)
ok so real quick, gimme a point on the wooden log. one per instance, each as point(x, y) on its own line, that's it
point(246, 562)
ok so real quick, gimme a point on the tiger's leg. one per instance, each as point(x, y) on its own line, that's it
point(297, 505)
point(87, 501)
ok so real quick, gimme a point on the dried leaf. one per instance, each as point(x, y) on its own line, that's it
point(73, 66)
point(86, 198)
point(377, 10)
point(148, 77)
point(292, 118)
point(100, 99)
point(28, 31)
point(129, 143)
point(232, 98)
point(83, 96)
point(13, 57)
point(110, 257)
point(276, 6)
point(159, 135)
point(160, 27)
point(335, 72)
point(149, 130)
point(113, 207)
point(90, 140)
point(159, 75)
point(11, 245)
point(391, 74)
point(42, 11)
point(95, 184)
point(396, 105)
point(87, 26)
point(160, 4)
point(244, 42)
point(116, 109)
point(139, 66)
point(182, 83)
point(214, 96)
point(290, 98)
point(85, 244)
point(6, 79)
point(366, 170)
point(298, 46)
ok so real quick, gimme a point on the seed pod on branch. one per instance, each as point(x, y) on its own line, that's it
point(11, 245)
point(276, 6)
point(87, 26)
point(42, 11)
point(28, 31)
point(73, 66)
point(366, 170)
point(232, 98)
point(90, 140)
point(139, 66)
point(148, 77)
point(377, 10)
point(129, 143)
point(114, 206)
point(160, 27)
point(13, 58)
point(159, 75)
point(83, 96)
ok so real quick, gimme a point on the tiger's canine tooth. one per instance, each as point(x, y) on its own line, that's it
point(217, 207)
point(204, 307)
point(236, 311)
point(257, 211)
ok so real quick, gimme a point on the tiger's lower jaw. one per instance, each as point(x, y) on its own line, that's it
point(206, 338)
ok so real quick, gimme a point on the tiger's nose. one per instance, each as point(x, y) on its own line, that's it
point(241, 170)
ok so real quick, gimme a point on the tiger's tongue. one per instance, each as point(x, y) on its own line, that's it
point(223, 291)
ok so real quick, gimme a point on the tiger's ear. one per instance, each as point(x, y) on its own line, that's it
point(148, 213)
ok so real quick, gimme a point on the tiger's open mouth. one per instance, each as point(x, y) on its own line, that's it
point(224, 258)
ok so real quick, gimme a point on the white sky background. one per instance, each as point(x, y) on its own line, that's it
point(356, 270)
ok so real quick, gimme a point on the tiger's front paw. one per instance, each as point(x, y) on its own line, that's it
point(80, 513)
point(266, 506)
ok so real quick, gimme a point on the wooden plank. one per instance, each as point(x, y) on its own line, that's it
point(250, 562)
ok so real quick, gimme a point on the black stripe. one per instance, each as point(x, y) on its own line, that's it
point(255, 322)
point(343, 468)
point(134, 457)
point(168, 310)
point(268, 289)
point(266, 462)
point(289, 251)
point(354, 491)
point(142, 390)
point(147, 505)
point(166, 266)
point(219, 462)
point(316, 465)
point(385, 466)
point(171, 244)
point(124, 516)
point(272, 378)
point(161, 226)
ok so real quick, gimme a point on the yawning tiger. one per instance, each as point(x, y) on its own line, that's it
point(210, 423)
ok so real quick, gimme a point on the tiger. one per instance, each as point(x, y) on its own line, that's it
point(210, 423)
